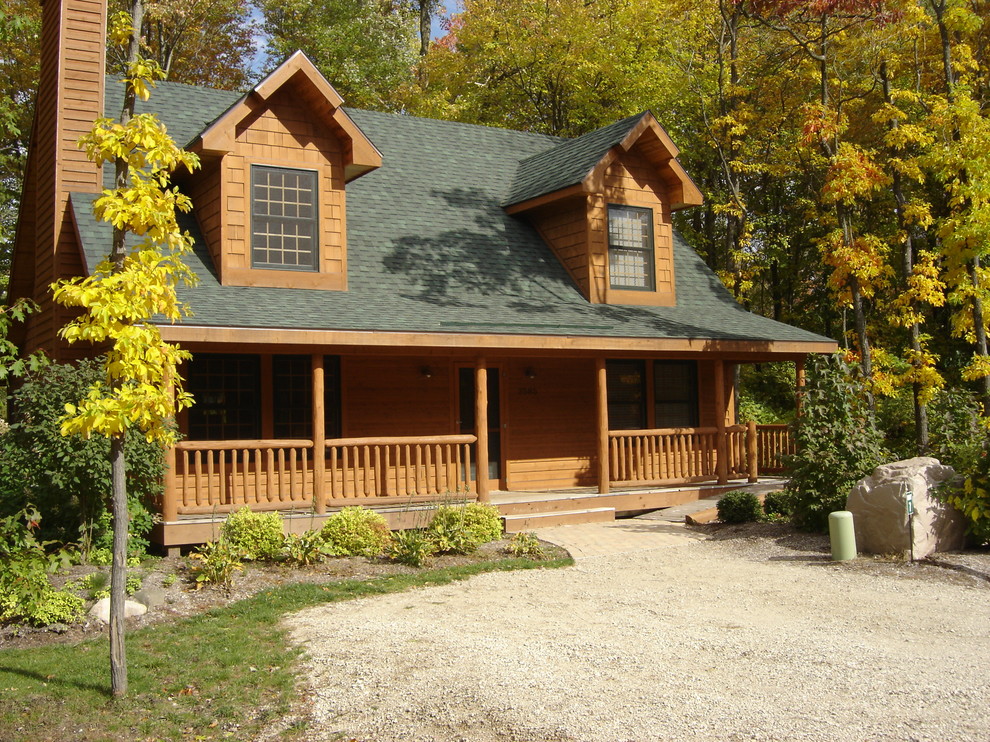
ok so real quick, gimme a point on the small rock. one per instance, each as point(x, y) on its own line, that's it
point(101, 611)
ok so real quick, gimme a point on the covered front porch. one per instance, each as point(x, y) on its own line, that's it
point(499, 436)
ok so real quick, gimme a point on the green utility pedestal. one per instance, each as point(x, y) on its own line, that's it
point(842, 535)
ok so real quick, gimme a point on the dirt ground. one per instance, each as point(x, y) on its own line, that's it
point(182, 598)
point(749, 633)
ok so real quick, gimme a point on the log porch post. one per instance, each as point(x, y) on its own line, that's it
point(751, 452)
point(799, 384)
point(721, 449)
point(170, 497)
point(601, 409)
point(481, 428)
point(319, 436)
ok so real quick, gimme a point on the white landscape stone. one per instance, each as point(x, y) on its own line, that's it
point(878, 505)
point(101, 610)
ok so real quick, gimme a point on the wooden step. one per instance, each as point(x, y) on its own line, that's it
point(529, 521)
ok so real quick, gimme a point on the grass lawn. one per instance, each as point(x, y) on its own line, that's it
point(220, 675)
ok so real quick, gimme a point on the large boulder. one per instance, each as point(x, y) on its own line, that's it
point(101, 610)
point(879, 507)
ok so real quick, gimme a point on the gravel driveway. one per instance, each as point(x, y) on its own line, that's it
point(691, 640)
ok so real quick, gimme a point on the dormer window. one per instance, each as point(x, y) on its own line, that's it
point(284, 218)
point(630, 248)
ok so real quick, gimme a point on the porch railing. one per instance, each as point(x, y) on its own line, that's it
point(773, 442)
point(673, 454)
point(399, 467)
point(221, 476)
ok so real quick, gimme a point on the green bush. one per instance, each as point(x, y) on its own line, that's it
point(413, 547)
point(739, 507)
point(777, 504)
point(68, 477)
point(837, 442)
point(215, 562)
point(972, 499)
point(26, 593)
point(255, 535)
point(304, 549)
point(525, 545)
point(460, 529)
point(356, 531)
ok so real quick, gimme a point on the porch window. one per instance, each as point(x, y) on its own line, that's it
point(283, 218)
point(670, 401)
point(675, 385)
point(227, 394)
point(229, 403)
point(626, 382)
point(630, 248)
point(292, 382)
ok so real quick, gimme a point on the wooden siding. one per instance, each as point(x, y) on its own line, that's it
point(550, 438)
point(564, 227)
point(632, 180)
point(72, 54)
point(206, 191)
point(283, 133)
point(392, 397)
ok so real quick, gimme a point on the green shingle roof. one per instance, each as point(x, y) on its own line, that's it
point(431, 249)
point(566, 164)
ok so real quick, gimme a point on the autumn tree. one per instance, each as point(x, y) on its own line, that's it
point(200, 42)
point(20, 25)
point(118, 300)
point(367, 50)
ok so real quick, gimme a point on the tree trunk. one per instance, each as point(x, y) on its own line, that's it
point(920, 409)
point(980, 329)
point(118, 572)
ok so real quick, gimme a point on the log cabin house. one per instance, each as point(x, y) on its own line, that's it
point(393, 309)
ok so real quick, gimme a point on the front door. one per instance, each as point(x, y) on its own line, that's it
point(466, 418)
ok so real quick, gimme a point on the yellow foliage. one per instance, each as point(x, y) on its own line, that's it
point(119, 300)
point(864, 259)
point(852, 176)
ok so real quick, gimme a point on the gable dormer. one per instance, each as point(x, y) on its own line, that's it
point(603, 203)
point(270, 197)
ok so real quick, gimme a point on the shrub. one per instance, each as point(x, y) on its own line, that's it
point(460, 529)
point(739, 507)
point(255, 535)
point(525, 545)
point(68, 477)
point(215, 562)
point(26, 594)
point(356, 531)
point(837, 442)
point(777, 504)
point(304, 549)
point(972, 499)
point(413, 547)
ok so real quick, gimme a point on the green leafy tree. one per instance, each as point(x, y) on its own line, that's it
point(20, 24)
point(366, 50)
point(124, 292)
point(837, 441)
point(200, 42)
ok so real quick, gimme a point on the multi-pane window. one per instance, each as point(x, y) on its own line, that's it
point(230, 405)
point(227, 391)
point(626, 384)
point(630, 247)
point(292, 396)
point(674, 394)
point(283, 218)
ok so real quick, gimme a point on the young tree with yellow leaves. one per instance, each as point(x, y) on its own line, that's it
point(133, 285)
